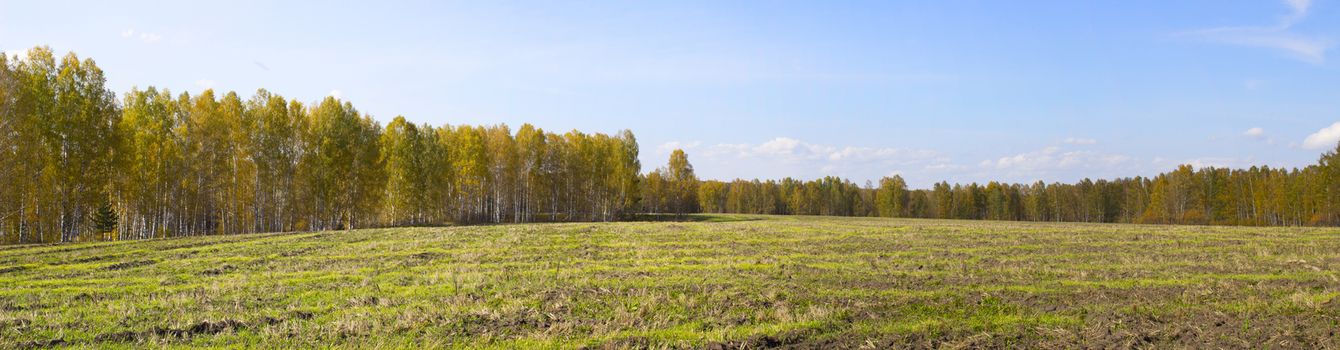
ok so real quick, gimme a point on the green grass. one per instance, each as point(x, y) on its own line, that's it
point(715, 281)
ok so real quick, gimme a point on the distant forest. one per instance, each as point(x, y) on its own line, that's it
point(1259, 196)
point(77, 164)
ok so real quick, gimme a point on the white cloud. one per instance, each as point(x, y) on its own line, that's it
point(205, 83)
point(791, 150)
point(1067, 160)
point(942, 166)
point(1080, 141)
point(150, 37)
point(1278, 37)
point(336, 93)
point(1255, 132)
point(1161, 164)
point(1324, 138)
point(1219, 162)
point(146, 37)
point(666, 148)
point(790, 157)
point(1054, 158)
point(1307, 49)
point(1299, 7)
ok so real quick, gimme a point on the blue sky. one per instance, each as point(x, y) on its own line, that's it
point(933, 90)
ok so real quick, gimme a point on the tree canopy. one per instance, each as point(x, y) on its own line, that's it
point(77, 164)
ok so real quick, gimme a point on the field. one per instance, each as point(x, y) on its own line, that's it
point(719, 282)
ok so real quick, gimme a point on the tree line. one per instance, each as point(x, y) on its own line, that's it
point(76, 164)
point(1258, 196)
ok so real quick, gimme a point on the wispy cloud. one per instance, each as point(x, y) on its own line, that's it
point(1324, 138)
point(1299, 8)
point(205, 83)
point(146, 37)
point(1259, 134)
point(1280, 36)
point(1307, 49)
point(791, 150)
point(1080, 141)
point(666, 148)
point(1217, 162)
point(1055, 158)
point(798, 158)
point(1067, 160)
point(336, 93)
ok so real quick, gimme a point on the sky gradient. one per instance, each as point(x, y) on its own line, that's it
point(933, 90)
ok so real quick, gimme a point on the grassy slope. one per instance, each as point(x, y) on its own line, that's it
point(775, 280)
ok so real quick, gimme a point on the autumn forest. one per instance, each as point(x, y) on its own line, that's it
point(79, 163)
